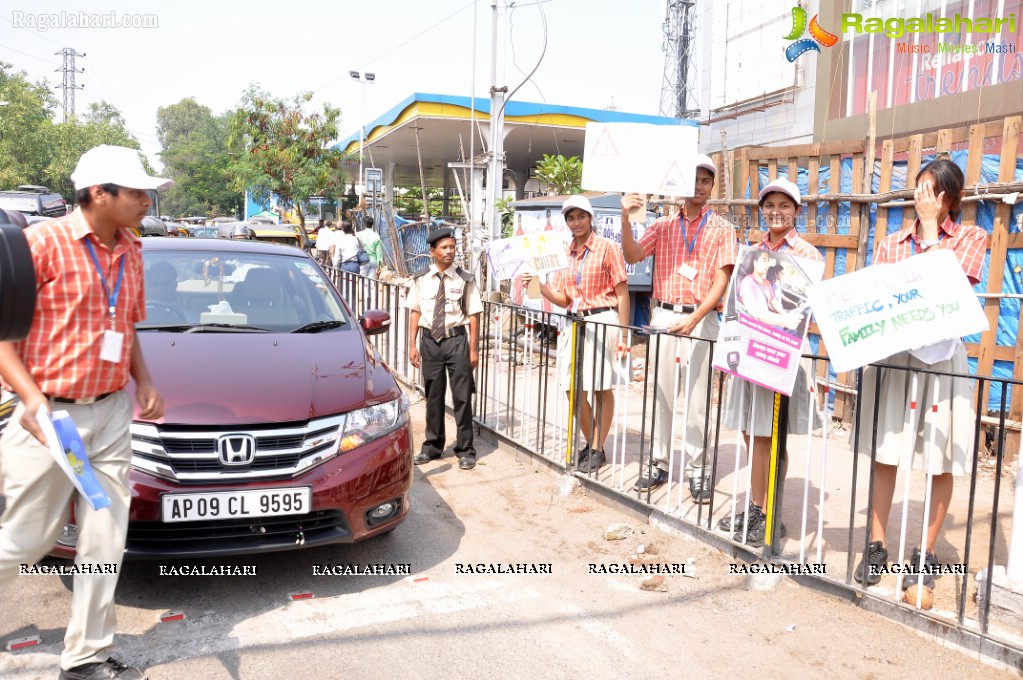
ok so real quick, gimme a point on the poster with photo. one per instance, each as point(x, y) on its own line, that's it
point(767, 314)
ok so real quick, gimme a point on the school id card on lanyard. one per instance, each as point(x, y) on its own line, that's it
point(579, 280)
point(113, 341)
point(686, 270)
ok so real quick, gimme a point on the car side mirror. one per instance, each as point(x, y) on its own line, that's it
point(375, 321)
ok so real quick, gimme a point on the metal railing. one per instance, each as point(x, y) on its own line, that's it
point(825, 493)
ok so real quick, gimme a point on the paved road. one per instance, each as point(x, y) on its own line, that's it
point(439, 623)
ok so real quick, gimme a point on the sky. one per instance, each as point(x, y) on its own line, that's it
point(599, 53)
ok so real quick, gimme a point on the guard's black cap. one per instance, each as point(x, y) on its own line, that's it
point(438, 234)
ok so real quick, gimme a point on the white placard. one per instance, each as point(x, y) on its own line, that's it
point(640, 157)
point(539, 253)
point(873, 313)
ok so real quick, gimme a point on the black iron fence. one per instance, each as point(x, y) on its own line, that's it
point(648, 407)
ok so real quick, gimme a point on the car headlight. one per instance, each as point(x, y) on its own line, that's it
point(373, 422)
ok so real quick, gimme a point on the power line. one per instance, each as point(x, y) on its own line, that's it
point(31, 56)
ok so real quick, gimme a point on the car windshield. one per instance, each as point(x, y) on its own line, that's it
point(200, 290)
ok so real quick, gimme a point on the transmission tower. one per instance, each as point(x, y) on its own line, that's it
point(678, 93)
point(69, 87)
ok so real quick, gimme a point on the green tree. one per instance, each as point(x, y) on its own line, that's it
point(195, 155)
point(281, 151)
point(25, 123)
point(563, 175)
point(507, 213)
point(34, 149)
point(409, 200)
point(176, 123)
point(67, 141)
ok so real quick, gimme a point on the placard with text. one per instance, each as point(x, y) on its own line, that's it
point(873, 313)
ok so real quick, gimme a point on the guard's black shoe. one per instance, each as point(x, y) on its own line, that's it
point(466, 462)
point(424, 457)
point(593, 462)
point(868, 570)
point(700, 490)
point(930, 563)
point(111, 669)
point(651, 480)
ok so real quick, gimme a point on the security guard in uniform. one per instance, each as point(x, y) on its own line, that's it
point(445, 307)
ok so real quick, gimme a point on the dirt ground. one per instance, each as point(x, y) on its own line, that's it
point(726, 623)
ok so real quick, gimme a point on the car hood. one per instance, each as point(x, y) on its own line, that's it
point(213, 378)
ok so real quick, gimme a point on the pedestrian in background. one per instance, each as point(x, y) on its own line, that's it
point(370, 242)
point(78, 357)
point(324, 238)
point(594, 288)
point(443, 337)
point(345, 248)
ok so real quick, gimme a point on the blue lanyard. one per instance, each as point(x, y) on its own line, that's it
point(941, 237)
point(111, 298)
point(579, 272)
point(690, 245)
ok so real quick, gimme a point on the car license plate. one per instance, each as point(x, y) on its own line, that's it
point(194, 507)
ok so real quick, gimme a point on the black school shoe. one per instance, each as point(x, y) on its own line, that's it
point(466, 462)
point(593, 462)
point(580, 455)
point(868, 570)
point(725, 523)
point(930, 563)
point(757, 531)
point(111, 669)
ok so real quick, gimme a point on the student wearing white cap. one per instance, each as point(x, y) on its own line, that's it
point(780, 206)
point(694, 252)
point(595, 288)
point(78, 357)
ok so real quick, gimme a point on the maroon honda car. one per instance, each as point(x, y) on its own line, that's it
point(282, 426)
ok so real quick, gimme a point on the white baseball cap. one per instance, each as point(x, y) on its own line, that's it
point(783, 186)
point(707, 163)
point(580, 202)
point(118, 165)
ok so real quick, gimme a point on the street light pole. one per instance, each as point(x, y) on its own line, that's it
point(363, 78)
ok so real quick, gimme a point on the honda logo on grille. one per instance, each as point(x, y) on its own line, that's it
point(237, 449)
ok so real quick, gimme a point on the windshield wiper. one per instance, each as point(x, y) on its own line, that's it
point(317, 326)
point(228, 327)
point(171, 327)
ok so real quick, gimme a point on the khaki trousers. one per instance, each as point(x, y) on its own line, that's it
point(694, 355)
point(37, 494)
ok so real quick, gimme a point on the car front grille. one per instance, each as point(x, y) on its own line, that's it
point(188, 455)
point(235, 536)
